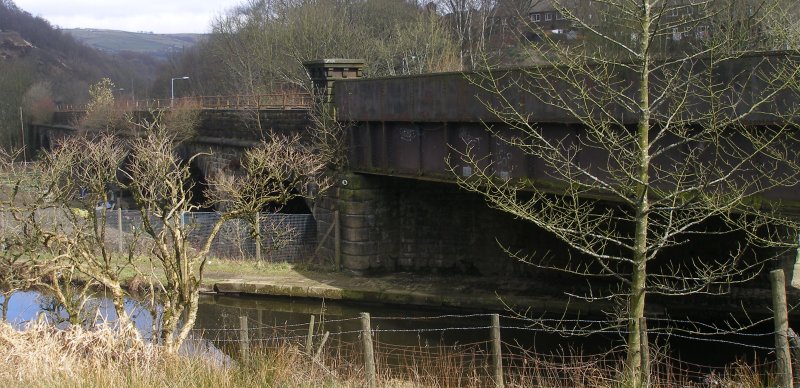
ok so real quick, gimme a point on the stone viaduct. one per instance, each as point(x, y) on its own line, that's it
point(396, 203)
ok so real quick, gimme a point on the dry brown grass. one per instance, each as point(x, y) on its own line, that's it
point(41, 356)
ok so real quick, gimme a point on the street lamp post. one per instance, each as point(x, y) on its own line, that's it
point(172, 89)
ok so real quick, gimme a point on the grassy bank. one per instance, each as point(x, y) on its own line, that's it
point(40, 356)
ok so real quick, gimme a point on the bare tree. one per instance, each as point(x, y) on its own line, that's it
point(663, 142)
point(272, 174)
point(160, 182)
point(59, 207)
point(421, 46)
point(16, 271)
point(80, 173)
point(160, 185)
point(101, 112)
point(471, 22)
point(263, 43)
point(62, 202)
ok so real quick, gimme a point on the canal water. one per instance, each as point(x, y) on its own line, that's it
point(401, 327)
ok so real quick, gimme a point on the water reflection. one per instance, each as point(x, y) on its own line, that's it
point(218, 320)
point(218, 327)
point(25, 306)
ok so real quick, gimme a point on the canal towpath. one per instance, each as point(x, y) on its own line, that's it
point(486, 293)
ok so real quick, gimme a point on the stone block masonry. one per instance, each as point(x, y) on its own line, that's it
point(251, 125)
point(391, 224)
point(394, 224)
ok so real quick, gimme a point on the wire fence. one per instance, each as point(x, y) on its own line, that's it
point(283, 237)
point(401, 348)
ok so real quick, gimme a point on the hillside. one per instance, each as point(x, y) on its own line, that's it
point(157, 45)
point(66, 65)
point(12, 45)
point(42, 66)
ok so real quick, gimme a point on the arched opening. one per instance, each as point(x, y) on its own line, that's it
point(296, 205)
point(199, 186)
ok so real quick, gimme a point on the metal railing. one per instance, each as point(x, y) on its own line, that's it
point(285, 100)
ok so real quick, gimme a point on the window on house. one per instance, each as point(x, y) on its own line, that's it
point(537, 17)
point(559, 16)
point(548, 16)
point(675, 11)
point(700, 32)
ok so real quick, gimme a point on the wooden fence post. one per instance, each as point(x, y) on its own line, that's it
point(244, 337)
point(369, 357)
point(782, 353)
point(321, 345)
point(337, 241)
point(310, 337)
point(497, 353)
point(257, 234)
point(119, 228)
point(260, 325)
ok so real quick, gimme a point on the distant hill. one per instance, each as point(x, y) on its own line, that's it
point(33, 52)
point(157, 45)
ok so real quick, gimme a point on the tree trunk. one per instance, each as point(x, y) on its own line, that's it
point(634, 365)
point(169, 321)
point(191, 317)
point(172, 336)
point(126, 325)
point(6, 299)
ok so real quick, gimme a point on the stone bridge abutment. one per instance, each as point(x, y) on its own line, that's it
point(400, 224)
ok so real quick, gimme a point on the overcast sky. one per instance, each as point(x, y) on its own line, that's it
point(159, 16)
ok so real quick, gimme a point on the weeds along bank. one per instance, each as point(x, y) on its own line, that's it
point(41, 356)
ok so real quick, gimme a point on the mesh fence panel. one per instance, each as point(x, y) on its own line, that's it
point(284, 237)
